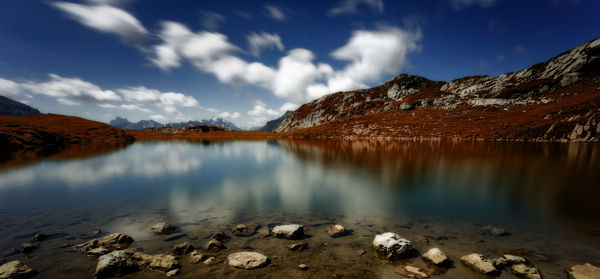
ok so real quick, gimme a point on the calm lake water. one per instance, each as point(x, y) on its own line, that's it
point(437, 194)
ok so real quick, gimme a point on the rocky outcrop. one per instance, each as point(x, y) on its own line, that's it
point(292, 231)
point(247, 260)
point(391, 245)
point(116, 241)
point(16, 270)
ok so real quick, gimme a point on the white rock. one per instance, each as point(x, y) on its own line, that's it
point(247, 260)
point(292, 231)
point(526, 271)
point(478, 263)
point(391, 245)
point(512, 259)
point(16, 269)
point(436, 256)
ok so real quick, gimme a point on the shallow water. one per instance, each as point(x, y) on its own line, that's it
point(437, 194)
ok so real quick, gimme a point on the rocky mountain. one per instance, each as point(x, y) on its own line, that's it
point(271, 125)
point(558, 100)
point(12, 107)
point(123, 123)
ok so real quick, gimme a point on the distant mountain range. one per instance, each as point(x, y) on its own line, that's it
point(12, 107)
point(123, 123)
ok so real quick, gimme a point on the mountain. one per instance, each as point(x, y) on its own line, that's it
point(123, 123)
point(271, 125)
point(11, 107)
point(558, 100)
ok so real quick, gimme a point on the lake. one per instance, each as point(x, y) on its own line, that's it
point(436, 194)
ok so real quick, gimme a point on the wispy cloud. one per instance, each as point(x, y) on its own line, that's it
point(259, 42)
point(463, 4)
point(275, 12)
point(70, 91)
point(212, 20)
point(519, 49)
point(349, 7)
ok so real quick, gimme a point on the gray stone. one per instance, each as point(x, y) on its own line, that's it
point(494, 231)
point(158, 262)
point(512, 259)
point(479, 263)
point(182, 248)
point(247, 260)
point(115, 264)
point(391, 245)
point(197, 257)
point(292, 231)
point(436, 256)
point(16, 270)
point(405, 106)
point(163, 228)
point(214, 246)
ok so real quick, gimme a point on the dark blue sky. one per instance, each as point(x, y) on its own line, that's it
point(248, 61)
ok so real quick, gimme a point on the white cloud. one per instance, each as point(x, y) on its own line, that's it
point(348, 7)
point(228, 115)
point(259, 42)
point(70, 90)
point(288, 106)
point(168, 101)
point(126, 107)
point(158, 118)
point(106, 19)
point(212, 20)
point(462, 4)
point(68, 102)
point(519, 49)
point(275, 12)
point(260, 113)
point(9, 88)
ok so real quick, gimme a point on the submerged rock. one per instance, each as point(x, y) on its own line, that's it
point(197, 257)
point(436, 256)
point(220, 236)
point(336, 231)
point(182, 248)
point(40, 237)
point(525, 271)
point(584, 271)
point(115, 264)
point(115, 241)
point(292, 231)
point(247, 260)
point(489, 230)
point(214, 246)
point(163, 228)
point(391, 245)
point(411, 271)
point(16, 270)
point(264, 231)
point(297, 246)
point(479, 263)
point(243, 230)
point(27, 248)
point(158, 262)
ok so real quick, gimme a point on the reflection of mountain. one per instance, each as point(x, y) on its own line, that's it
point(123, 123)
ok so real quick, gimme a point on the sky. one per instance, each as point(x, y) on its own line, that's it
point(250, 61)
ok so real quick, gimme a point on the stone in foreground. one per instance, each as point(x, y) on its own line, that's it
point(479, 263)
point(247, 260)
point(214, 246)
point(115, 264)
point(336, 231)
point(512, 259)
point(182, 248)
point(292, 231)
point(158, 262)
point(163, 228)
point(584, 271)
point(436, 256)
point(391, 245)
point(525, 271)
point(115, 241)
point(197, 257)
point(16, 269)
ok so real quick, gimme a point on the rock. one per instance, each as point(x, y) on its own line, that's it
point(405, 106)
point(172, 272)
point(16, 270)
point(411, 271)
point(436, 256)
point(182, 248)
point(478, 263)
point(584, 271)
point(525, 271)
point(214, 246)
point(40, 237)
point(115, 264)
point(247, 260)
point(198, 257)
point(163, 228)
point(158, 262)
point(264, 231)
point(111, 242)
point(27, 248)
point(98, 251)
point(336, 231)
point(391, 245)
point(210, 260)
point(220, 236)
point(361, 252)
point(302, 267)
point(500, 262)
point(512, 259)
point(494, 231)
point(243, 230)
point(292, 231)
point(297, 246)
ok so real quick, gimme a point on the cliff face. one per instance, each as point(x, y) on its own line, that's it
point(558, 100)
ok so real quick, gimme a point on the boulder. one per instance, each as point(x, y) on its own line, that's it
point(391, 245)
point(158, 262)
point(479, 263)
point(436, 256)
point(214, 246)
point(182, 248)
point(16, 270)
point(292, 231)
point(163, 228)
point(115, 264)
point(247, 260)
point(525, 271)
point(584, 271)
point(115, 241)
point(336, 231)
